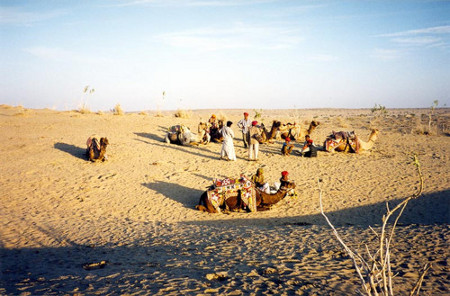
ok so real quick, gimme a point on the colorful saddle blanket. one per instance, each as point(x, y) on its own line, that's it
point(222, 189)
point(337, 138)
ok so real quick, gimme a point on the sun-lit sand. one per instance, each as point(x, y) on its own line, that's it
point(137, 213)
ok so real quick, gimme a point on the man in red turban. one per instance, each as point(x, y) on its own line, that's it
point(254, 135)
point(244, 125)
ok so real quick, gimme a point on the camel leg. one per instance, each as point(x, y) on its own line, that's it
point(204, 205)
point(91, 155)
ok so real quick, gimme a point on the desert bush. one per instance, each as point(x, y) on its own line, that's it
point(117, 110)
point(84, 109)
point(143, 113)
point(21, 111)
point(100, 112)
point(379, 110)
point(182, 114)
point(374, 268)
point(258, 113)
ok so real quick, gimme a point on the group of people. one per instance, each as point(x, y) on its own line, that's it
point(251, 135)
point(258, 180)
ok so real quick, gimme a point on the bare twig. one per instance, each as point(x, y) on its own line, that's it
point(378, 275)
point(416, 289)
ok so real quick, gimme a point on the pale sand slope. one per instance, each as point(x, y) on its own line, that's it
point(137, 209)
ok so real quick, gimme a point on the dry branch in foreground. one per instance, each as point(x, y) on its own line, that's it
point(374, 269)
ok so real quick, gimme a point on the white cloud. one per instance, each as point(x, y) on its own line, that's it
point(239, 36)
point(323, 58)
point(385, 54)
point(418, 40)
point(56, 54)
point(424, 31)
point(431, 37)
point(13, 15)
point(210, 3)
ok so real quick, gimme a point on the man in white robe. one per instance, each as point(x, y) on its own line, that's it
point(227, 144)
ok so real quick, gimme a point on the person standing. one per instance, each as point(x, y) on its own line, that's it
point(254, 134)
point(227, 144)
point(244, 125)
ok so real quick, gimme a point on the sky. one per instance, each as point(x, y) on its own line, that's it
point(212, 54)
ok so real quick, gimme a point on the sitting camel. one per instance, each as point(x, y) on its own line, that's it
point(349, 142)
point(96, 148)
point(243, 199)
point(269, 136)
point(265, 200)
point(296, 132)
point(181, 135)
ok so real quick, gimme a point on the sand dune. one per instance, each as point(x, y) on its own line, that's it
point(136, 211)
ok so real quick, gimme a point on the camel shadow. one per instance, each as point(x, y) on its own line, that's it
point(188, 197)
point(150, 136)
point(72, 150)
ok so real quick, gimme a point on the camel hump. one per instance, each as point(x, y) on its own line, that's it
point(92, 138)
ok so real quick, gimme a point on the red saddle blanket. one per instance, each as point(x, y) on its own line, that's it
point(224, 188)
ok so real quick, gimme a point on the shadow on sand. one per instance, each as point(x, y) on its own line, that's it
point(188, 197)
point(150, 136)
point(72, 150)
point(194, 150)
point(187, 252)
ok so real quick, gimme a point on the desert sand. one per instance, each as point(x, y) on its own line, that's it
point(135, 213)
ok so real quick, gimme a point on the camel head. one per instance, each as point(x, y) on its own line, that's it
point(276, 124)
point(374, 134)
point(104, 142)
point(312, 126)
point(202, 126)
point(290, 185)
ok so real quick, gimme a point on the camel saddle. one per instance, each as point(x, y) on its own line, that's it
point(224, 188)
point(337, 138)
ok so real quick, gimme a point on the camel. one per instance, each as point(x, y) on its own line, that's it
point(269, 136)
point(181, 135)
point(96, 148)
point(265, 200)
point(349, 142)
point(243, 199)
point(296, 132)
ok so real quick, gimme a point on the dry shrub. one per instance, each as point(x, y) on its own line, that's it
point(183, 114)
point(143, 113)
point(419, 128)
point(159, 114)
point(84, 109)
point(100, 113)
point(118, 110)
point(21, 111)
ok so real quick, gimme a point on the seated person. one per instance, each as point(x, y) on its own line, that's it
point(258, 179)
point(284, 180)
point(287, 147)
point(213, 122)
point(309, 149)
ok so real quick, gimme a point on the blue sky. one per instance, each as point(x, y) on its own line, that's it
point(257, 54)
